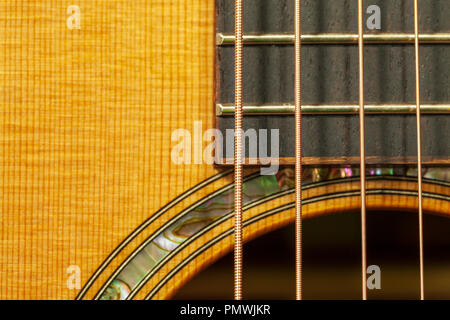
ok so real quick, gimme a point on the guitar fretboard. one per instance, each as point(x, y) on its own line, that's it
point(329, 79)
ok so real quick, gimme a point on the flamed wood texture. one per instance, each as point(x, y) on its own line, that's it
point(85, 128)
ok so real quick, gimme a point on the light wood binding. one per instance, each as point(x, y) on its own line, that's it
point(86, 118)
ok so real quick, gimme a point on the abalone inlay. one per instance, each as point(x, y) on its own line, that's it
point(192, 222)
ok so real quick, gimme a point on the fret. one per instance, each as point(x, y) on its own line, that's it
point(342, 161)
point(343, 109)
point(225, 39)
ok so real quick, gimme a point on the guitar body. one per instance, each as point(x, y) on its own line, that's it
point(88, 184)
point(86, 118)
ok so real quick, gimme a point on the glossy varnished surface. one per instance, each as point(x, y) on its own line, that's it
point(86, 118)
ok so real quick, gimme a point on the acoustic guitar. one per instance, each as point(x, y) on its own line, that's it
point(143, 140)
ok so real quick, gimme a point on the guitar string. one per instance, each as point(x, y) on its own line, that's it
point(238, 168)
point(362, 150)
point(298, 154)
point(419, 151)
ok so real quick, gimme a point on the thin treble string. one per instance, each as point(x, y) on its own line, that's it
point(419, 149)
point(238, 167)
point(298, 154)
point(362, 150)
